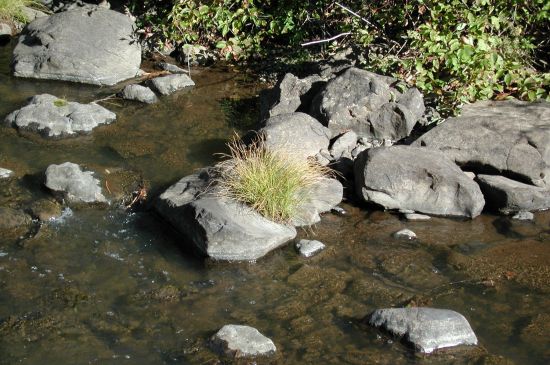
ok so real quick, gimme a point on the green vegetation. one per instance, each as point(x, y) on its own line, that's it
point(455, 51)
point(12, 10)
point(60, 102)
point(272, 182)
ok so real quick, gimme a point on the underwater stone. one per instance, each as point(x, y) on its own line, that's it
point(308, 248)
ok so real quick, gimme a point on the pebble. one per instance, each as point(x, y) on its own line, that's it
point(308, 248)
point(405, 233)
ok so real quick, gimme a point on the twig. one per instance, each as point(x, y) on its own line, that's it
point(112, 96)
point(107, 187)
point(326, 40)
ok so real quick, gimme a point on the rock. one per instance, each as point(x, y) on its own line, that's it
point(139, 93)
point(54, 117)
point(217, 227)
point(5, 173)
point(507, 195)
point(167, 85)
point(428, 329)
point(405, 233)
point(367, 104)
point(417, 217)
point(31, 14)
point(339, 211)
point(419, 179)
point(344, 145)
point(242, 341)
point(59, 6)
point(95, 47)
point(73, 184)
point(523, 216)
point(308, 248)
point(171, 68)
point(5, 30)
point(13, 218)
point(357, 150)
point(322, 197)
point(470, 174)
point(295, 133)
point(45, 210)
point(509, 138)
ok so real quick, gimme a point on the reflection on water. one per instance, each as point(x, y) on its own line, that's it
point(104, 286)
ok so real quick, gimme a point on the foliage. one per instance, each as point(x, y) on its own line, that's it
point(60, 102)
point(272, 182)
point(12, 10)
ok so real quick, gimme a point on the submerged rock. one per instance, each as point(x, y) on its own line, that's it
point(89, 46)
point(308, 248)
point(218, 227)
point(242, 341)
point(167, 85)
point(54, 117)
point(139, 93)
point(321, 197)
point(428, 329)
point(13, 218)
point(45, 210)
point(73, 184)
point(419, 179)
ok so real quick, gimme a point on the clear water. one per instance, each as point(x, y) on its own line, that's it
point(105, 286)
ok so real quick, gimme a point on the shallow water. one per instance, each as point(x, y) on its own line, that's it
point(106, 286)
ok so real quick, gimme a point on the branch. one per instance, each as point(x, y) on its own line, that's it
point(326, 40)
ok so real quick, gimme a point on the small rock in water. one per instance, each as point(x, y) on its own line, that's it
point(139, 93)
point(428, 329)
point(171, 68)
point(5, 173)
point(167, 85)
point(74, 184)
point(417, 217)
point(339, 211)
point(405, 233)
point(242, 341)
point(524, 216)
point(308, 248)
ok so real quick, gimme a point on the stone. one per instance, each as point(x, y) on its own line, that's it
point(414, 101)
point(242, 341)
point(95, 47)
point(218, 227)
point(71, 183)
point(169, 84)
point(344, 145)
point(53, 117)
point(297, 134)
point(417, 217)
point(523, 216)
point(322, 197)
point(171, 68)
point(427, 329)
point(13, 218)
point(509, 138)
point(5, 30)
point(419, 179)
point(139, 93)
point(405, 233)
point(45, 210)
point(308, 248)
point(339, 211)
point(5, 173)
point(507, 195)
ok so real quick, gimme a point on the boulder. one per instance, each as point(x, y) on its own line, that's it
point(5, 173)
point(308, 248)
point(71, 183)
point(89, 46)
point(297, 133)
point(242, 341)
point(367, 104)
point(322, 197)
point(139, 93)
point(417, 179)
point(169, 84)
point(54, 117)
point(217, 227)
point(344, 145)
point(509, 138)
point(509, 196)
point(427, 329)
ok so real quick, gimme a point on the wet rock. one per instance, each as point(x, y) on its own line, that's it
point(218, 227)
point(510, 138)
point(405, 233)
point(308, 248)
point(73, 184)
point(509, 195)
point(139, 93)
point(419, 179)
point(339, 211)
point(95, 47)
point(523, 216)
point(5, 173)
point(428, 329)
point(45, 210)
point(321, 197)
point(167, 85)
point(171, 68)
point(55, 118)
point(417, 217)
point(242, 341)
point(344, 145)
point(296, 133)
point(13, 218)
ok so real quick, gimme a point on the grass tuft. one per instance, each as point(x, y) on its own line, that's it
point(272, 182)
point(12, 10)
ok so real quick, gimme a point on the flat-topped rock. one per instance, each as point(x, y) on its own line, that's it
point(242, 341)
point(90, 46)
point(54, 117)
point(308, 248)
point(139, 93)
point(72, 184)
point(169, 84)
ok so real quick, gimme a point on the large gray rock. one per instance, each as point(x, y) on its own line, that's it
point(428, 329)
point(139, 93)
point(70, 182)
point(169, 84)
point(368, 104)
point(418, 179)
point(510, 196)
point(296, 133)
point(90, 46)
point(242, 341)
point(217, 227)
point(321, 197)
point(511, 138)
point(54, 117)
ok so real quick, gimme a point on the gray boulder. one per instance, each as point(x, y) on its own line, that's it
point(139, 93)
point(344, 145)
point(297, 133)
point(217, 227)
point(242, 341)
point(510, 138)
point(54, 117)
point(169, 84)
point(428, 329)
point(89, 46)
point(71, 183)
point(418, 179)
point(5, 173)
point(509, 196)
point(320, 198)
